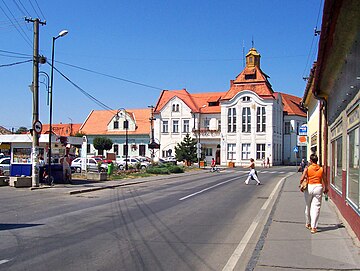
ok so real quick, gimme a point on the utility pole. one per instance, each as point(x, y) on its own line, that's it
point(36, 124)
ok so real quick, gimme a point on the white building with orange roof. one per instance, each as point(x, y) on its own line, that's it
point(245, 122)
point(112, 124)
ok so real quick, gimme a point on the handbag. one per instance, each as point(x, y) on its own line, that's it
point(303, 185)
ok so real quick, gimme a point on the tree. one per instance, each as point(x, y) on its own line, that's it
point(102, 143)
point(186, 150)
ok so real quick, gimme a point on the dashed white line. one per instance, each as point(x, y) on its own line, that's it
point(5, 261)
point(206, 189)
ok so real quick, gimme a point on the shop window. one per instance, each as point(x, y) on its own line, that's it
point(336, 163)
point(353, 185)
point(22, 155)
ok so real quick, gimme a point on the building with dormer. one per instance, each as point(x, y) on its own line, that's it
point(129, 129)
point(247, 121)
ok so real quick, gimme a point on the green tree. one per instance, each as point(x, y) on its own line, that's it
point(79, 134)
point(186, 150)
point(102, 143)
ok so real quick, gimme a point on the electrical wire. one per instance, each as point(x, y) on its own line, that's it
point(26, 11)
point(16, 63)
point(311, 51)
point(37, 4)
point(19, 8)
point(88, 95)
point(23, 34)
point(110, 76)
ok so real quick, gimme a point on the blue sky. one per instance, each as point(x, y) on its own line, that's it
point(137, 48)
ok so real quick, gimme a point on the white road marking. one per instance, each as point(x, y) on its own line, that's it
point(4, 261)
point(206, 189)
point(234, 258)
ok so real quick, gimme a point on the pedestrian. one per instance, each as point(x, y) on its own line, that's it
point(302, 166)
point(264, 162)
point(268, 162)
point(252, 174)
point(313, 194)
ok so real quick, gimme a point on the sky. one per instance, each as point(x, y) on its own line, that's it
point(122, 54)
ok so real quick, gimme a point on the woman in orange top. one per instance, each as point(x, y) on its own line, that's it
point(313, 193)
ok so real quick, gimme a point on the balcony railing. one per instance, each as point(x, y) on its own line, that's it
point(206, 132)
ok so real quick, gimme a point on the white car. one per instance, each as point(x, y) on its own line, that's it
point(91, 165)
point(121, 162)
point(5, 166)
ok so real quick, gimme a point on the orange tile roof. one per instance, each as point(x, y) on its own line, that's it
point(98, 120)
point(196, 102)
point(60, 129)
point(253, 79)
point(292, 105)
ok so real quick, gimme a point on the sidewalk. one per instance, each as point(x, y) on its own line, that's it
point(287, 245)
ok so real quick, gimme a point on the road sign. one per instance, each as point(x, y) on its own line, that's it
point(296, 149)
point(301, 140)
point(37, 126)
point(303, 130)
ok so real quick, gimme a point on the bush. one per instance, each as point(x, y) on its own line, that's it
point(157, 170)
point(175, 169)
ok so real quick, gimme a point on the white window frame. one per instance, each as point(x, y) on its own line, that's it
point(246, 120)
point(165, 126)
point(245, 151)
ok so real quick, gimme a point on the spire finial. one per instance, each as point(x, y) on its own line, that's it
point(252, 42)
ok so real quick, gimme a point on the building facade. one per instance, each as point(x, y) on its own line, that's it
point(129, 129)
point(333, 100)
point(247, 121)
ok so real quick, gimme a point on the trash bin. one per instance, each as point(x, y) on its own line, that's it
point(231, 164)
point(110, 169)
point(202, 163)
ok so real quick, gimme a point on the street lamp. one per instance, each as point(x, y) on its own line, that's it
point(126, 126)
point(61, 34)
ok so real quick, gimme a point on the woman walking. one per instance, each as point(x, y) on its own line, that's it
point(252, 173)
point(313, 194)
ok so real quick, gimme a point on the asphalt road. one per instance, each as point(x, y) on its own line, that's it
point(207, 221)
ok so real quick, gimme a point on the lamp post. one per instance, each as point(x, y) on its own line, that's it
point(126, 126)
point(61, 34)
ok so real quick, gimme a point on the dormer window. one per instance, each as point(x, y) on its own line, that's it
point(116, 124)
point(175, 108)
point(246, 99)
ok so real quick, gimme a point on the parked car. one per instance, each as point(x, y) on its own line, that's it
point(5, 166)
point(170, 159)
point(121, 162)
point(91, 165)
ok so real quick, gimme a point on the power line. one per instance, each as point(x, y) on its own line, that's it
point(15, 53)
point(37, 4)
point(16, 63)
point(110, 76)
point(23, 34)
point(26, 11)
point(91, 97)
point(19, 8)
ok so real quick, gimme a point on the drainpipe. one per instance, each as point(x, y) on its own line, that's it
point(323, 108)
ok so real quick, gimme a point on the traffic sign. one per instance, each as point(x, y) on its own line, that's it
point(303, 130)
point(296, 149)
point(37, 126)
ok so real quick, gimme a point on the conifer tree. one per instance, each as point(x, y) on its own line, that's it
point(186, 150)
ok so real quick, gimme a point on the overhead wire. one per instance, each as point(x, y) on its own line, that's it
point(22, 32)
point(37, 4)
point(91, 97)
point(16, 63)
point(110, 76)
point(20, 9)
point(311, 51)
